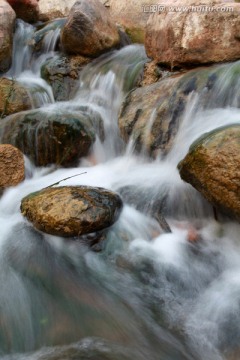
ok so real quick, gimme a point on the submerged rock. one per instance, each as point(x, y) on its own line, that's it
point(72, 210)
point(89, 30)
point(62, 73)
point(49, 136)
point(12, 170)
point(7, 22)
point(13, 97)
point(27, 10)
point(151, 115)
point(212, 167)
point(187, 38)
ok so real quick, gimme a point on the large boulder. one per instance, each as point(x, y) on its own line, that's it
point(12, 170)
point(185, 38)
point(212, 167)
point(72, 210)
point(7, 22)
point(49, 136)
point(13, 97)
point(89, 30)
point(27, 10)
point(62, 73)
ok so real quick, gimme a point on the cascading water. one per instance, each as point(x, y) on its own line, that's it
point(146, 295)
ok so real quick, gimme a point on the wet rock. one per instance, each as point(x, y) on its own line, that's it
point(7, 22)
point(73, 210)
point(212, 167)
point(62, 73)
point(194, 37)
point(89, 30)
point(45, 31)
point(13, 97)
point(27, 10)
point(12, 170)
point(151, 115)
point(49, 136)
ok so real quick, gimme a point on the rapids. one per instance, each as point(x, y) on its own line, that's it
point(147, 294)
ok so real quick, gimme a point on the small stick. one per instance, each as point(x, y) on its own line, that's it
point(69, 177)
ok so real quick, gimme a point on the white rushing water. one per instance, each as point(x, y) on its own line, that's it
point(156, 295)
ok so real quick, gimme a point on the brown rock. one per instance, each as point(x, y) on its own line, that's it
point(89, 30)
point(27, 10)
point(7, 22)
point(212, 167)
point(13, 97)
point(11, 166)
point(194, 37)
point(72, 210)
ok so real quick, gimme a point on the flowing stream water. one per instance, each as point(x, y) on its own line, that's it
point(147, 294)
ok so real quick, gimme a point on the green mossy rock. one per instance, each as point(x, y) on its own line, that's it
point(72, 210)
point(212, 167)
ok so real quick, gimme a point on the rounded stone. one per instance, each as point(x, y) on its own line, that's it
point(70, 211)
point(212, 167)
point(12, 170)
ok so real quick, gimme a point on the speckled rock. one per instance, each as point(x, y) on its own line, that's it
point(187, 38)
point(212, 167)
point(7, 23)
point(12, 170)
point(72, 210)
point(89, 30)
point(13, 97)
point(49, 137)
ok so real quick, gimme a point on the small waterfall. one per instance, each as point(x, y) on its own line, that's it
point(26, 65)
point(103, 85)
point(22, 49)
point(50, 40)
